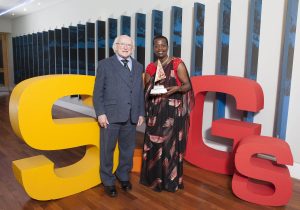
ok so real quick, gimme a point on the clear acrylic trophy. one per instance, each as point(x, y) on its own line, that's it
point(160, 74)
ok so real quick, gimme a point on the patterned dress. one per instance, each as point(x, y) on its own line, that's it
point(167, 120)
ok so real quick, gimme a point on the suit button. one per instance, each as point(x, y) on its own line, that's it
point(130, 91)
point(128, 103)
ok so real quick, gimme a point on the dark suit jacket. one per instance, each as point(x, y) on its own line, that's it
point(115, 94)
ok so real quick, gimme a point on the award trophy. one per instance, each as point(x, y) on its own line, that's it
point(160, 74)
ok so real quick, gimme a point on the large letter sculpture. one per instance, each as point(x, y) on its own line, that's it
point(248, 95)
point(274, 187)
point(30, 110)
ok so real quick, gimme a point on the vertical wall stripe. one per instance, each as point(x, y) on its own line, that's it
point(222, 54)
point(176, 31)
point(253, 46)
point(156, 27)
point(46, 52)
point(140, 37)
point(15, 60)
point(90, 28)
point(81, 49)
point(73, 50)
point(18, 59)
point(58, 52)
point(40, 53)
point(30, 57)
point(25, 48)
point(51, 52)
point(35, 55)
point(197, 40)
point(112, 34)
point(125, 25)
point(23, 75)
point(100, 40)
point(287, 58)
point(65, 50)
point(292, 130)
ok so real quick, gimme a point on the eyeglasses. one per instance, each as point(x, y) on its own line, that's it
point(124, 44)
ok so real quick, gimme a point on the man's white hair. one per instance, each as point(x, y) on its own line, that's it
point(117, 41)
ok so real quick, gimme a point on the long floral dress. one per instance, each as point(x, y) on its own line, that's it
point(167, 122)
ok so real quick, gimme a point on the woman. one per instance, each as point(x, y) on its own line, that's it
point(167, 121)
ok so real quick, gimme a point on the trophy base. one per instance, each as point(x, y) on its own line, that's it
point(158, 89)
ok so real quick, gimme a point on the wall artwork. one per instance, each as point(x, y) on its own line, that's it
point(222, 54)
point(73, 50)
point(140, 36)
point(22, 68)
point(156, 27)
point(125, 25)
point(35, 55)
point(51, 52)
point(176, 31)
point(58, 49)
point(16, 60)
point(46, 52)
point(30, 57)
point(81, 49)
point(65, 50)
point(112, 34)
point(197, 40)
point(25, 50)
point(40, 53)
point(287, 57)
point(101, 40)
point(90, 45)
point(252, 46)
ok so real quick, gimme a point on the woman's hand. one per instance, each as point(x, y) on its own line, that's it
point(172, 90)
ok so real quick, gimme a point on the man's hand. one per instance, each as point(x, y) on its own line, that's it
point(141, 120)
point(103, 122)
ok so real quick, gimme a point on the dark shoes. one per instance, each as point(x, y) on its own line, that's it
point(111, 191)
point(126, 185)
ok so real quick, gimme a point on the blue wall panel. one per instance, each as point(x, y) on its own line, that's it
point(176, 31)
point(30, 57)
point(17, 76)
point(25, 50)
point(51, 52)
point(101, 39)
point(40, 53)
point(46, 52)
point(283, 94)
point(35, 55)
point(20, 57)
point(73, 50)
point(197, 40)
point(65, 50)
point(252, 46)
point(156, 27)
point(58, 51)
point(112, 34)
point(81, 49)
point(90, 30)
point(125, 25)
point(140, 37)
point(222, 54)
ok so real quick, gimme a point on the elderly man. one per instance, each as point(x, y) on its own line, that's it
point(119, 105)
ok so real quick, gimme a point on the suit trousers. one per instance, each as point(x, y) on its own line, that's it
point(125, 134)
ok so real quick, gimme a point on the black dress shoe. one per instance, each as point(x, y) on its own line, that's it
point(126, 185)
point(111, 191)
